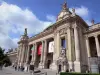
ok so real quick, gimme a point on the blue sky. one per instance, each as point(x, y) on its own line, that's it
point(36, 15)
point(42, 7)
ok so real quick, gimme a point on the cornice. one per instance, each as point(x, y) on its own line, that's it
point(91, 31)
point(52, 28)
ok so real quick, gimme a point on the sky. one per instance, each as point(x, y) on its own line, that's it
point(36, 15)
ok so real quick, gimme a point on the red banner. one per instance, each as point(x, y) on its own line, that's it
point(39, 49)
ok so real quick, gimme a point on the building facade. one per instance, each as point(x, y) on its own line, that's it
point(12, 54)
point(68, 44)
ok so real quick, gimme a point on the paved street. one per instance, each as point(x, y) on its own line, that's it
point(10, 71)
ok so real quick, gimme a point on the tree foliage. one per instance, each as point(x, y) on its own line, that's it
point(4, 59)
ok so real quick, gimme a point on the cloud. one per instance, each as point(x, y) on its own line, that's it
point(13, 20)
point(83, 12)
point(88, 22)
point(51, 18)
point(6, 42)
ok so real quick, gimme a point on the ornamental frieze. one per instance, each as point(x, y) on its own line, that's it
point(62, 31)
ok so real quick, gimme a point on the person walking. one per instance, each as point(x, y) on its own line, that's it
point(15, 68)
point(18, 68)
point(31, 68)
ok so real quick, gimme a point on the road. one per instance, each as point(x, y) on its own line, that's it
point(11, 71)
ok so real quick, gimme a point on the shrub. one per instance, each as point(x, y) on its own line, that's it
point(65, 73)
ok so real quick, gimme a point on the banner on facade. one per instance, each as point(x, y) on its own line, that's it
point(51, 47)
point(32, 50)
point(39, 49)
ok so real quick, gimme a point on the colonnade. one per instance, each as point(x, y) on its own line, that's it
point(34, 54)
point(97, 45)
point(44, 50)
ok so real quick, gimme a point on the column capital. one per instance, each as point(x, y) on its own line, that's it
point(96, 35)
point(86, 37)
point(75, 25)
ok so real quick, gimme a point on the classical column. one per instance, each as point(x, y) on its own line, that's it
point(69, 39)
point(41, 59)
point(32, 56)
point(77, 48)
point(77, 66)
point(58, 44)
point(42, 52)
point(35, 53)
point(69, 49)
point(97, 45)
point(26, 49)
point(27, 58)
point(88, 47)
point(22, 58)
point(18, 55)
point(45, 53)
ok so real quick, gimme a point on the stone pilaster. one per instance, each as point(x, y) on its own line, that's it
point(88, 47)
point(45, 53)
point(97, 45)
point(27, 58)
point(32, 56)
point(22, 58)
point(35, 54)
point(77, 50)
point(19, 52)
point(69, 45)
point(56, 52)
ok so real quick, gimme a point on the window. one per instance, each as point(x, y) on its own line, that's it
point(63, 43)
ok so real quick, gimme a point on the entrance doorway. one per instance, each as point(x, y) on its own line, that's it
point(59, 68)
point(48, 64)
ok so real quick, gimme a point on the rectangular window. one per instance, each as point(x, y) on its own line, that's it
point(63, 43)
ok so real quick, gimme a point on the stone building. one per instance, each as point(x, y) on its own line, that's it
point(68, 44)
point(12, 54)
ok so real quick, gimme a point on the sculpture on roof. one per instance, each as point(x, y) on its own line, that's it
point(64, 12)
point(25, 32)
point(64, 7)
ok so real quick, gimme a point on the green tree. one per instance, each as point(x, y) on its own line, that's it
point(1, 56)
point(4, 59)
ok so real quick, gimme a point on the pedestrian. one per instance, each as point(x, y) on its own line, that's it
point(21, 68)
point(71, 70)
point(15, 68)
point(18, 68)
point(31, 68)
point(0, 66)
point(67, 70)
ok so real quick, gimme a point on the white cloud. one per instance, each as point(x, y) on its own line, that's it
point(6, 42)
point(13, 20)
point(83, 12)
point(51, 18)
point(88, 22)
